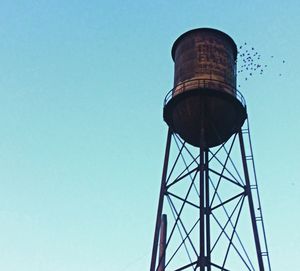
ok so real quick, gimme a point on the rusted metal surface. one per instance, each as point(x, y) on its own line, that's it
point(204, 118)
point(204, 107)
point(205, 54)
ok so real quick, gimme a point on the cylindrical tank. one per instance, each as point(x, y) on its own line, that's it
point(206, 54)
point(204, 107)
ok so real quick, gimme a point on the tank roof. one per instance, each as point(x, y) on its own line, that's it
point(227, 37)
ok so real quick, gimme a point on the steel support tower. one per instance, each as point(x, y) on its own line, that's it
point(209, 196)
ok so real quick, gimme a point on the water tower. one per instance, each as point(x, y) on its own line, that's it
point(209, 196)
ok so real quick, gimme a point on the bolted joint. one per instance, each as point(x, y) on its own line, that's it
point(247, 190)
point(164, 190)
point(202, 167)
point(207, 210)
point(205, 261)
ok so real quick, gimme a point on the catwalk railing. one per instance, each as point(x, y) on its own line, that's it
point(201, 83)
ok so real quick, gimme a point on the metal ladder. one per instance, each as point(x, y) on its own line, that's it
point(255, 194)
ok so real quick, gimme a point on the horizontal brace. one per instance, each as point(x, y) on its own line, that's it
point(222, 268)
point(182, 177)
point(187, 266)
point(226, 201)
point(186, 201)
point(226, 178)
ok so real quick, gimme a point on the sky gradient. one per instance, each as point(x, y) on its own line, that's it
point(82, 136)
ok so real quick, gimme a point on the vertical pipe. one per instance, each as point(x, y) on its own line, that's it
point(207, 212)
point(251, 204)
point(162, 243)
point(160, 202)
point(202, 212)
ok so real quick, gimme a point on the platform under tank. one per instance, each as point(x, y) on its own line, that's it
point(204, 107)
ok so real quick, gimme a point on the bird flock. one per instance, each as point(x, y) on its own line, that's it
point(250, 62)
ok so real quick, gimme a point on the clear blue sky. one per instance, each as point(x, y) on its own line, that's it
point(82, 136)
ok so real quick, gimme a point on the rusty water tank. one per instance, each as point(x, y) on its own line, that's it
point(204, 107)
